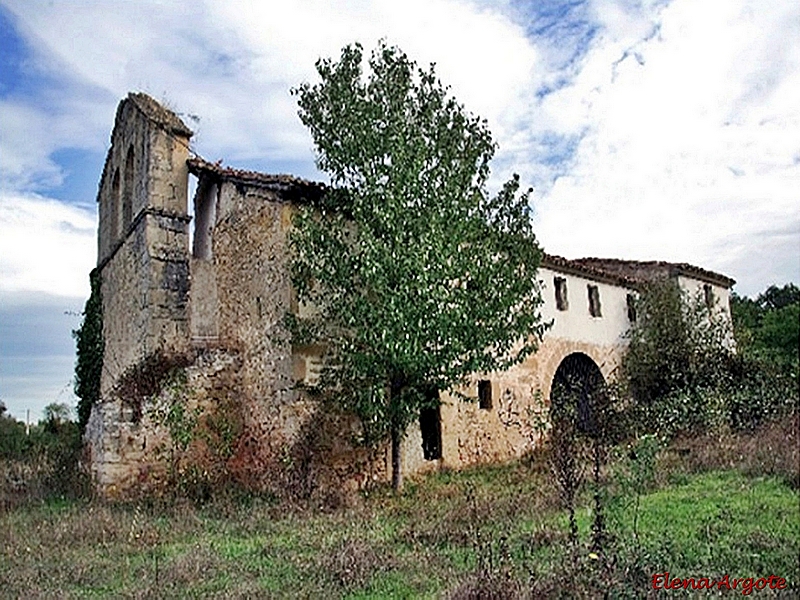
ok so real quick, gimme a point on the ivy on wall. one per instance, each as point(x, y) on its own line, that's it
point(89, 342)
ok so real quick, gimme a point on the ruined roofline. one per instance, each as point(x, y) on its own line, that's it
point(288, 186)
point(159, 115)
point(153, 112)
point(654, 269)
point(632, 273)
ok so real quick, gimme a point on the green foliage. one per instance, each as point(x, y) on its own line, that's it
point(417, 276)
point(767, 332)
point(13, 441)
point(761, 390)
point(678, 349)
point(89, 341)
point(769, 326)
point(684, 371)
point(780, 331)
point(55, 416)
point(678, 364)
point(41, 462)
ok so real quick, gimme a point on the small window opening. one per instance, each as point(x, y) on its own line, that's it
point(594, 301)
point(127, 191)
point(561, 293)
point(631, 308)
point(485, 394)
point(708, 295)
point(430, 426)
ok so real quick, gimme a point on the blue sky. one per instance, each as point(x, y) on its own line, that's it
point(649, 129)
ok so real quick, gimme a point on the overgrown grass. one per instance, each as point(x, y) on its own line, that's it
point(485, 532)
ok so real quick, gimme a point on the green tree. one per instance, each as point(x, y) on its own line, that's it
point(13, 441)
point(775, 298)
point(89, 342)
point(769, 326)
point(683, 371)
point(418, 277)
point(55, 415)
point(780, 332)
point(678, 358)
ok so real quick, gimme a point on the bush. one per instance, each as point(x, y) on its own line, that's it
point(685, 371)
point(41, 464)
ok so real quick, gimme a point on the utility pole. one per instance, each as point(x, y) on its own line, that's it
point(28, 422)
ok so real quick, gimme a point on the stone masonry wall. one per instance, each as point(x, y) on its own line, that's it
point(519, 417)
point(143, 263)
point(209, 328)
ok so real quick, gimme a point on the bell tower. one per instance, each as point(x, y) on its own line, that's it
point(143, 235)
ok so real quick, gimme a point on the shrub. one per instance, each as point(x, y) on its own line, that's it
point(683, 371)
point(43, 463)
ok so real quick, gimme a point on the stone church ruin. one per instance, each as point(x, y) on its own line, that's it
point(200, 374)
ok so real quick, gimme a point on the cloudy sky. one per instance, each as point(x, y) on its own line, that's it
point(649, 129)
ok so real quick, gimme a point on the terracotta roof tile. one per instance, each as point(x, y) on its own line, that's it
point(290, 187)
point(632, 273)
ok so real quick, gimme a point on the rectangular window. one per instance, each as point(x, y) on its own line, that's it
point(631, 308)
point(561, 293)
point(594, 301)
point(485, 394)
point(708, 295)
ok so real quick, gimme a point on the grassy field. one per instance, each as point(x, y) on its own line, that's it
point(486, 532)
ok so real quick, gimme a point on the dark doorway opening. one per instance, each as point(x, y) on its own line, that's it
point(578, 390)
point(430, 426)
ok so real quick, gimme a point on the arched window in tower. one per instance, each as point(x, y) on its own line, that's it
point(113, 207)
point(127, 192)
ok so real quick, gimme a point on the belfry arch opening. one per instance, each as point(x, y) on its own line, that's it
point(127, 191)
point(114, 204)
point(578, 390)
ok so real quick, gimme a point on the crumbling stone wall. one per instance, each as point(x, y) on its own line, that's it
point(519, 418)
point(142, 261)
point(228, 408)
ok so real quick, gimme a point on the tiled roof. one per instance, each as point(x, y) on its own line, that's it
point(290, 187)
point(572, 267)
point(632, 273)
point(627, 273)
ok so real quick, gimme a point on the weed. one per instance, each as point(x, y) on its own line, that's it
point(488, 532)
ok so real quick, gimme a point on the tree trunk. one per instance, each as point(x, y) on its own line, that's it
point(397, 459)
point(395, 391)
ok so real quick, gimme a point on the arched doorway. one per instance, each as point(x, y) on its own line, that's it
point(579, 417)
point(577, 394)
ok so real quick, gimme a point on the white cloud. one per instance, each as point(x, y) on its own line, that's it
point(45, 246)
point(233, 63)
point(31, 131)
point(679, 125)
point(690, 140)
